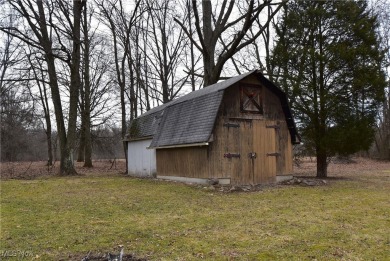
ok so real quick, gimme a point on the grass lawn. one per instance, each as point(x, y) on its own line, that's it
point(56, 217)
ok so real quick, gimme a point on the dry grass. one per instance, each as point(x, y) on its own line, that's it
point(357, 167)
point(34, 169)
point(65, 217)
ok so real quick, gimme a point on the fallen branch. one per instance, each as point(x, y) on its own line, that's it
point(112, 163)
point(24, 173)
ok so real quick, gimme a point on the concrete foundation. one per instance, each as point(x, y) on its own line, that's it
point(221, 181)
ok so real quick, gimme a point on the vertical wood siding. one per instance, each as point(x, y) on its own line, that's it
point(264, 144)
point(252, 136)
point(188, 162)
point(283, 141)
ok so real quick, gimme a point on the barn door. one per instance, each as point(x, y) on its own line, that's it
point(239, 142)
point(246, 149)
point(265, 144)
point(251, 151)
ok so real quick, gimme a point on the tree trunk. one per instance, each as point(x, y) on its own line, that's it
point(322, 165)
point(146, 84)
point(87, 96)
point(66, 161)
point(386, 124)
point(165, 89)
point(192, 55)
point(40, 82)
point(81, 152)
point(210, 75)
point(88, 145)
point(48, 138)
point(124, 125)
point(133, 96)
point(75, 81)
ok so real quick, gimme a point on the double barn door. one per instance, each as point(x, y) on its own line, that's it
point(253, 150)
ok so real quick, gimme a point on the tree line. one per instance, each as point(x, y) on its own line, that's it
point(73, 67)
point(30, 144)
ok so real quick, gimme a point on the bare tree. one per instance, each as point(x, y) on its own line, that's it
point(232, 30)
point(120, 24)
point(17, 116)
point(40, 22)
point(16, 110)
point(40, 76)
point(381, 8)
point(85, 145)
point(138, 73)
point(102, 104)
point(166, 47)
point(10, 54)
point(191, 46)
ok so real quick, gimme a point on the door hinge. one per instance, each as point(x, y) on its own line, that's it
point(276, 154)
point(231, 125)
point(231, 155)
point(276, 127)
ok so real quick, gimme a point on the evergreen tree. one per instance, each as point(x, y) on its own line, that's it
point(327, 59)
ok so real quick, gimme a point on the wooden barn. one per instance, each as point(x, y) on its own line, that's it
point(239, 131)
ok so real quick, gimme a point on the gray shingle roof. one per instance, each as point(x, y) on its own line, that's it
point(144, 126)
point(197, 114)
point(190, 119)
point(188, 122)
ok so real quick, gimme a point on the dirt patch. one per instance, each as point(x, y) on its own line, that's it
point(100, 257)
point(31, 170)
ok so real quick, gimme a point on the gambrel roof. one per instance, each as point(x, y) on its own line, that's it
point(190, 119)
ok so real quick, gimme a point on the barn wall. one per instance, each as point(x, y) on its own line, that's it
point(190, 162)
point(252, 135)
point(273, 111)
point(283, 141)
point(141, 161)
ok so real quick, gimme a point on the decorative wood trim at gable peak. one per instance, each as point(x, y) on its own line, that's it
point(251, 98)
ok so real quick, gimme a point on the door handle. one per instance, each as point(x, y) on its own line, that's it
point(252, 155)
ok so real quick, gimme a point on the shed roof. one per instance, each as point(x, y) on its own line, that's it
point(190, 119)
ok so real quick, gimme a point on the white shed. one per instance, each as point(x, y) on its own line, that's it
point(142, 161)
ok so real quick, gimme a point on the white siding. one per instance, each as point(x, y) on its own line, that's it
point(141, 161)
